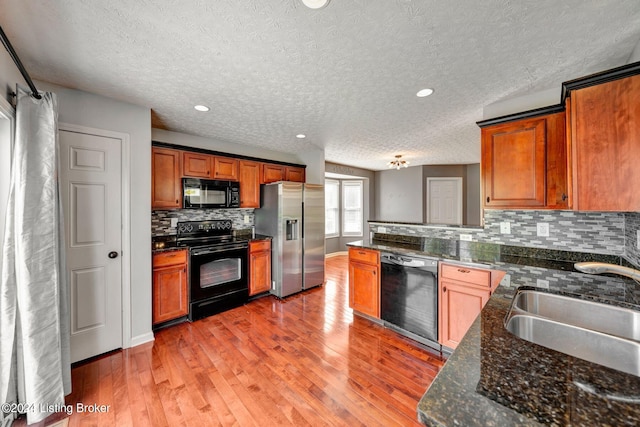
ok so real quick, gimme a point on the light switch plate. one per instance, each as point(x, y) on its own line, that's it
point(247, 219)
point(382, 229)
point(543, 229)
point(466, 237)
point(506, 281)
point(544, 284)
point(174, 222)
point(505, 228)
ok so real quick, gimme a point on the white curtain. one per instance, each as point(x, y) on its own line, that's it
point(34, 316)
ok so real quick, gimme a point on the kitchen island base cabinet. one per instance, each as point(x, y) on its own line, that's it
point(259, 267)
point(364, 281)
point(170, 295)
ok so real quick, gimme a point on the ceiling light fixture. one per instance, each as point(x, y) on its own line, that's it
point(424, 92)
point(315, 4)
point(301, 136)
point(201, 108)
point(397, 163)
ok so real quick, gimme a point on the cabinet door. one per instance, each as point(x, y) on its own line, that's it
point(225, 168)
point(605, 139)
point(513, 164)
point(260, 272)
point(460, 304)
point(170, 299)
point(364, 288)
point(272, 173)
point(249, 184)
point(294, 174)
point(166, 184)
point(196, 164)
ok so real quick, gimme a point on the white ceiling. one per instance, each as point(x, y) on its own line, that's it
point(345, 75)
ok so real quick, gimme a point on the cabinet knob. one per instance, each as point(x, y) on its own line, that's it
point(374, 273)
point(564, 197)
point(488, 199)
point(444, 289)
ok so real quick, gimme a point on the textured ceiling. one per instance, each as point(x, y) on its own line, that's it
point(346, 75)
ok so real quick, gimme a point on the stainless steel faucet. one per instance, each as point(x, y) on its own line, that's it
point(601, 267)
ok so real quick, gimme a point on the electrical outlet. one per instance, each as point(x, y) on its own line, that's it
point(505, 228)
point(638, 242)
point(466, 237)
point(544, 284)
point(543, 229)
point(247, 219)
point(382, 229)
point(174, 222)
point(506, 281)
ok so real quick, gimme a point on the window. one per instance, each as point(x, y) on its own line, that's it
point(332, 208)
point(352, 208)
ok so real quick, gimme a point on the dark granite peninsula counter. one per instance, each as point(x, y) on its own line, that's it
point(494, 378)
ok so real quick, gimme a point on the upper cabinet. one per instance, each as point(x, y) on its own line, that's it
point(294, 174)
point(166, 188)
point(604, 140)
point(196, 164)
point(249, 184)
point(524, 161)
point(225, 168)
point(272, 173)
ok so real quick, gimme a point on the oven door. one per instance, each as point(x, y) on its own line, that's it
point(216, 272)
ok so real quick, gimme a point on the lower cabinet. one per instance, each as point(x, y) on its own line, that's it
point(170, 294)
point(364, 281)
point(463, 292)
point(259, 266)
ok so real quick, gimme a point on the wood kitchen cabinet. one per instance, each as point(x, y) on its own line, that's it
point(196, 165)
point(463, 292)
point(170, 294)
point(259, 267)
point(364, 281)
point(294, 174)
point(272, 173)
point(604, 139)
point(225, 168)
point(524, 162)
point(249, 173)
point(166, 183)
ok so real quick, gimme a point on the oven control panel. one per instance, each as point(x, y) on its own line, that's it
point(205, 228)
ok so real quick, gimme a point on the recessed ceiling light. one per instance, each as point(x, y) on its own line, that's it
point(201, 108)
point(424, 92)
point(301, 136)
point(315, 4)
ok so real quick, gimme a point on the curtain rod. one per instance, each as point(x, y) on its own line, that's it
point(23, 71)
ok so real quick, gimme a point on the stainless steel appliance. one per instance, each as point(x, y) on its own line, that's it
point(293, 214)
point(210, 194)
point(218, 278)
point(409, 296)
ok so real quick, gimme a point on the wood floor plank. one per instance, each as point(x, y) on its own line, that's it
point(303, 361)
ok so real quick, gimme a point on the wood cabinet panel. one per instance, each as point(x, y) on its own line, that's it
point(196, 164)
point(364, 281)
point(259, 267)
point(294, 174)
point(166, 183)
point(272, 173)
point(225, 168)
point(605, 146)
point(249, 173)
point(469, 275)
point(170, 293)
point(460, 304)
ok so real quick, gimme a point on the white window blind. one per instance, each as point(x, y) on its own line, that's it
point(332, 208)
point(352, 208)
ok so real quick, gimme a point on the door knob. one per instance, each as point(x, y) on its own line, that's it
point(113, 254)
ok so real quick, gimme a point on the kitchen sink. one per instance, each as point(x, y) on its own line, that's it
point(588, 330)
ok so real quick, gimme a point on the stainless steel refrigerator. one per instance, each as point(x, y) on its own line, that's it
point(293, 214)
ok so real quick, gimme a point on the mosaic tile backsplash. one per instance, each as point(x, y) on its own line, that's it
point(631, 230)
point(594, 232)
point(161, 219)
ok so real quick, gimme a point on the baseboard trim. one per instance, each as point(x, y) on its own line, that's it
point(142, 339)
point(331, 255)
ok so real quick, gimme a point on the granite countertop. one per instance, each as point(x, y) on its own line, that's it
point(494, 378)
point(167, 242)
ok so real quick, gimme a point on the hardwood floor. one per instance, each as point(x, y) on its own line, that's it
point(306, 360)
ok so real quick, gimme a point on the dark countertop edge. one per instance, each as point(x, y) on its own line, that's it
point(242, 236)
point(427, 225)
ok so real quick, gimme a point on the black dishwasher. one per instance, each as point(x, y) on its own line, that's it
point(409, 296)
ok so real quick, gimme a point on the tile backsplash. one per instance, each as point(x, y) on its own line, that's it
point(161, 219)
point(631, 230)
point(593, 232)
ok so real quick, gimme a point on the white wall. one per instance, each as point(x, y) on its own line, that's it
point(86, 109)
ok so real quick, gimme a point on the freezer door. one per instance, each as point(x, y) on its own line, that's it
point(313, 235)
point(290, 236)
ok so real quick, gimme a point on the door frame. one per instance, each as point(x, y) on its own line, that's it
point(460, 198)
point(125, 191)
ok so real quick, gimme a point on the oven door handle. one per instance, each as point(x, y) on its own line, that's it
point(207, 251)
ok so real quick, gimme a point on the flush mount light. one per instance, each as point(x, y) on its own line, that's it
point(424, 92)
point(301, 136)
point(201, 108)
point(315, 4)
point(397, 163)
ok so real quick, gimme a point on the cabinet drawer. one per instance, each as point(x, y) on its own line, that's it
point(466, 274)
point(260, 245)
point(367, 256)
point(169, 258)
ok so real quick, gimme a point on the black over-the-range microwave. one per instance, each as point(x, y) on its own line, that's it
point(210, 194)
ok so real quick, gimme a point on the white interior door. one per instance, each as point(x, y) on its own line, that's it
point(90, 177)
point(444, 201)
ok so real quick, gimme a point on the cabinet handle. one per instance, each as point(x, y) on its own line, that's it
point(170, 255)
point(444, 289)
point(488, 199)
point(176, 201)
point(361, 253)
point(564, 197)
point(464, 271)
